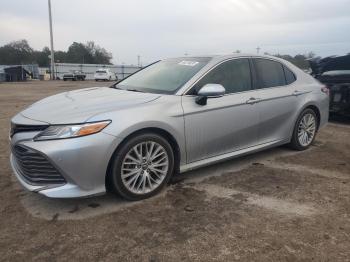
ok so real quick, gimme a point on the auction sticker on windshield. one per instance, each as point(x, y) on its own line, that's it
point(188, 63)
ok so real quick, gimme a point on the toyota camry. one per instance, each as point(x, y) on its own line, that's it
point(172, 116)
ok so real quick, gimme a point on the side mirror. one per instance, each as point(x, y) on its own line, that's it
point(209, 91)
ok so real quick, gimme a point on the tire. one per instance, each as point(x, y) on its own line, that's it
point(122, 166)
point(302, 139)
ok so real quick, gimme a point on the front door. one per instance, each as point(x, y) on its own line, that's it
point(224, 124)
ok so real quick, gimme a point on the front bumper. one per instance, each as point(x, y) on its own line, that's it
point(81, 161)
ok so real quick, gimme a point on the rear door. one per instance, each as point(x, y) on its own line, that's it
point(278, 100)
point(224, 124)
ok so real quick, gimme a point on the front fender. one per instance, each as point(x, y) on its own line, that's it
point(165, 113)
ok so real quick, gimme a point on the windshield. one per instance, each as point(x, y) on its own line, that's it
point(101, 72)
point(164, 77)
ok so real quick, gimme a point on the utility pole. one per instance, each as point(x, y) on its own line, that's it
point(51, 40)
point(139, 61)
point(258, 50)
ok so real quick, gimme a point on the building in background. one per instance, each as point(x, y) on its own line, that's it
point(15, 73)
point(2, 75)
point(121, 71)
point(12, 73)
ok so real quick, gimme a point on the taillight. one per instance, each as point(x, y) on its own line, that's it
point(325, 90)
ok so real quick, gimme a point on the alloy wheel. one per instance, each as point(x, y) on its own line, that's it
point(144, 167)
point(307, 129)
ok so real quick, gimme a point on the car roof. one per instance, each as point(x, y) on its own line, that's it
point(218, 58)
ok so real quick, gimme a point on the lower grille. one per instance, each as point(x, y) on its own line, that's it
point(35, 168)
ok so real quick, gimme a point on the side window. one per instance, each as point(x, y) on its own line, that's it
point(290, 77)
point(270, 73)
point(234, 75)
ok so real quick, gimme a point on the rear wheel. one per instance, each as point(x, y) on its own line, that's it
point(142, 167)
point(305, 130)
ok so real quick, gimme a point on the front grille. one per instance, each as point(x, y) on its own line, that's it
point(34, 167)
point(26, 128)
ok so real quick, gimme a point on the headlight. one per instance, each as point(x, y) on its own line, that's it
point(69, 131)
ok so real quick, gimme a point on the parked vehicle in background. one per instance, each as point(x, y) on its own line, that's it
point(173, 116)
point(74, 76)
point(334, 72)
point(104, 74)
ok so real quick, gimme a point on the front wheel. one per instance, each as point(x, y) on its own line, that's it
point(142, 167)
point(305, 130)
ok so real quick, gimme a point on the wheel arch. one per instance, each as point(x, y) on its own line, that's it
point(155, 130)
point(316, 110)
point(312, 106)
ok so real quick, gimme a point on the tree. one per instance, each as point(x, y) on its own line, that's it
point(88, 53)
point(99, 54)
point(19, 52)
point(102, 56)
point(300, 61)
point(60, 56)
point(42, 57)
point(16, 52)
point(78, 53)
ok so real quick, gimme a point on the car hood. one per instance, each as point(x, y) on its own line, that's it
point(80, 105)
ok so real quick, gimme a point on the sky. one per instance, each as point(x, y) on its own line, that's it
point(156, 29)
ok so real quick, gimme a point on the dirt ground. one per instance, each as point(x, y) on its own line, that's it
point(276, 205)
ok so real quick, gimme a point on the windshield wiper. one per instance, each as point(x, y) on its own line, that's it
point(130, 89)
point(134, 90)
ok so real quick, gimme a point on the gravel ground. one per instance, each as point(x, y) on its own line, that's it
point(276, 205)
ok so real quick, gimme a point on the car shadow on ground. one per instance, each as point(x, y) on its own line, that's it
point(42, 207)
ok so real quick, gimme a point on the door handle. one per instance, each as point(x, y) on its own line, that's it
point(297, 93)
point(252, 101)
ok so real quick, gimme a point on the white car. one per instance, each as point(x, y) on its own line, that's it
point(104, 75)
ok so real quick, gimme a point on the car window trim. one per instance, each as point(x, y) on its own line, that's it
point(258, 76)
point(285, 76)
point(275, 60)
point(185, 93)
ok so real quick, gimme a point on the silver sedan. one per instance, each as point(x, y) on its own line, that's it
point(171, 117)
